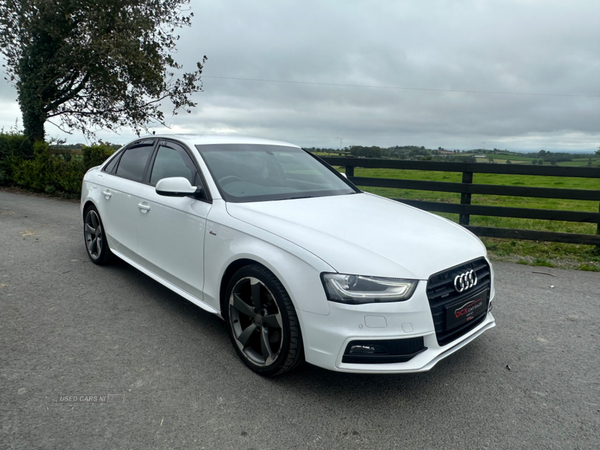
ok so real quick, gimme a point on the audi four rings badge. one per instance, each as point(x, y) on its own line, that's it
point(465, 281)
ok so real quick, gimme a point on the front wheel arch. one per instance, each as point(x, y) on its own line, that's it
point(226, 278)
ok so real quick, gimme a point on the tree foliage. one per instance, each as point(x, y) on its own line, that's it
point(88, 64)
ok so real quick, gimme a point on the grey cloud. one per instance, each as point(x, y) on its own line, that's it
point(513, 46)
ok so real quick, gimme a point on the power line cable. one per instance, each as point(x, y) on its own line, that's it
point(400, 88)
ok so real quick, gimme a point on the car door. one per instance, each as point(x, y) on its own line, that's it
point(121, 196)
point(171, 230)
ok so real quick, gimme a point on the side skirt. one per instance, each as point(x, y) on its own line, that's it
point(168, 284)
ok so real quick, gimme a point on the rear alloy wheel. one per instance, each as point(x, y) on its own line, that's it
point(95, 239)
point(263, 325)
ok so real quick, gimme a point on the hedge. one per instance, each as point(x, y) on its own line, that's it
point(42, 168)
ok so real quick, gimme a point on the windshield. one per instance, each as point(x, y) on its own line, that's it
point(250, 173)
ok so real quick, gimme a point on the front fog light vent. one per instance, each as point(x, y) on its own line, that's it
point(362, 350)
point(383, 351)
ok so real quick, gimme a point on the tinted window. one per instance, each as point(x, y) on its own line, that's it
point(133, 162)
point(247, 173)
point(173, 161)
point(111, 166)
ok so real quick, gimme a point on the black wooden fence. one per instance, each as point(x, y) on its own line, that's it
point(465, 209)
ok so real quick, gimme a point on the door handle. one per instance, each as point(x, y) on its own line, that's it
point(107, 194)
point(144, 207)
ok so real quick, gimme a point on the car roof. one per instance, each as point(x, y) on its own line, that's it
point(206, 139)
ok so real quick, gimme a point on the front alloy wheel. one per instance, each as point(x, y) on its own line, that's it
point(263, 325)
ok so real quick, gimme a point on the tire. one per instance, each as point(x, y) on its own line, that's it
point(262, 322)
point(95, 238)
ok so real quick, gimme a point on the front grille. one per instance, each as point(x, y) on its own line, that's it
point(441, 293)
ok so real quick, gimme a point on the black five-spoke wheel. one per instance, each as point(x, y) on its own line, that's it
point(263, 325)
point(95, 241)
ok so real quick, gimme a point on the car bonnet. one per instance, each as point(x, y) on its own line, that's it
point(365, 234)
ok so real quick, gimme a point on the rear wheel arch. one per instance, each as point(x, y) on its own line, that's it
point(88, 204)
point(95, 236)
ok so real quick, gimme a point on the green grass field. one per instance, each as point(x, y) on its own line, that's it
point(572, 256)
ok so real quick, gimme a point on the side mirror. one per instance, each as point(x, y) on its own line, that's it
point(176, 187)
point(344, 175)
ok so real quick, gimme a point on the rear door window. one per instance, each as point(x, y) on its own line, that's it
point(134, 161)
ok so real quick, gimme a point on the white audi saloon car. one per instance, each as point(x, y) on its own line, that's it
point(300, 263)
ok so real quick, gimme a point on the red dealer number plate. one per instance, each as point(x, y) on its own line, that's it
point(466, 310)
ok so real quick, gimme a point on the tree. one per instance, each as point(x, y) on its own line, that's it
point(95, 63)
point(368, 152)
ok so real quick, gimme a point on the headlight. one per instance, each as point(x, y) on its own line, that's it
point(356, 289)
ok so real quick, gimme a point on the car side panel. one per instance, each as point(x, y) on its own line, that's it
point(118, 206)
point(171, 238)
point(115, 200)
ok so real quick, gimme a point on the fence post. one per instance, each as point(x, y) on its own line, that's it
point(349, 171)
point(465, 198)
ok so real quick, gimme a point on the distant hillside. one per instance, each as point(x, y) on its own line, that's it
point(480, 155)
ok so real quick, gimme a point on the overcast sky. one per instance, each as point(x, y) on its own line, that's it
point(458, 74)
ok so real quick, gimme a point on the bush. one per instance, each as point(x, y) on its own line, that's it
point(47, 172)
point(12, 145)
point(43, 170)
point(95, 155)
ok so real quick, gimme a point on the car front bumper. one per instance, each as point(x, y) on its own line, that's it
point(327, 338)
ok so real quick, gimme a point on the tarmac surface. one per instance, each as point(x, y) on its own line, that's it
point(106, 358)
